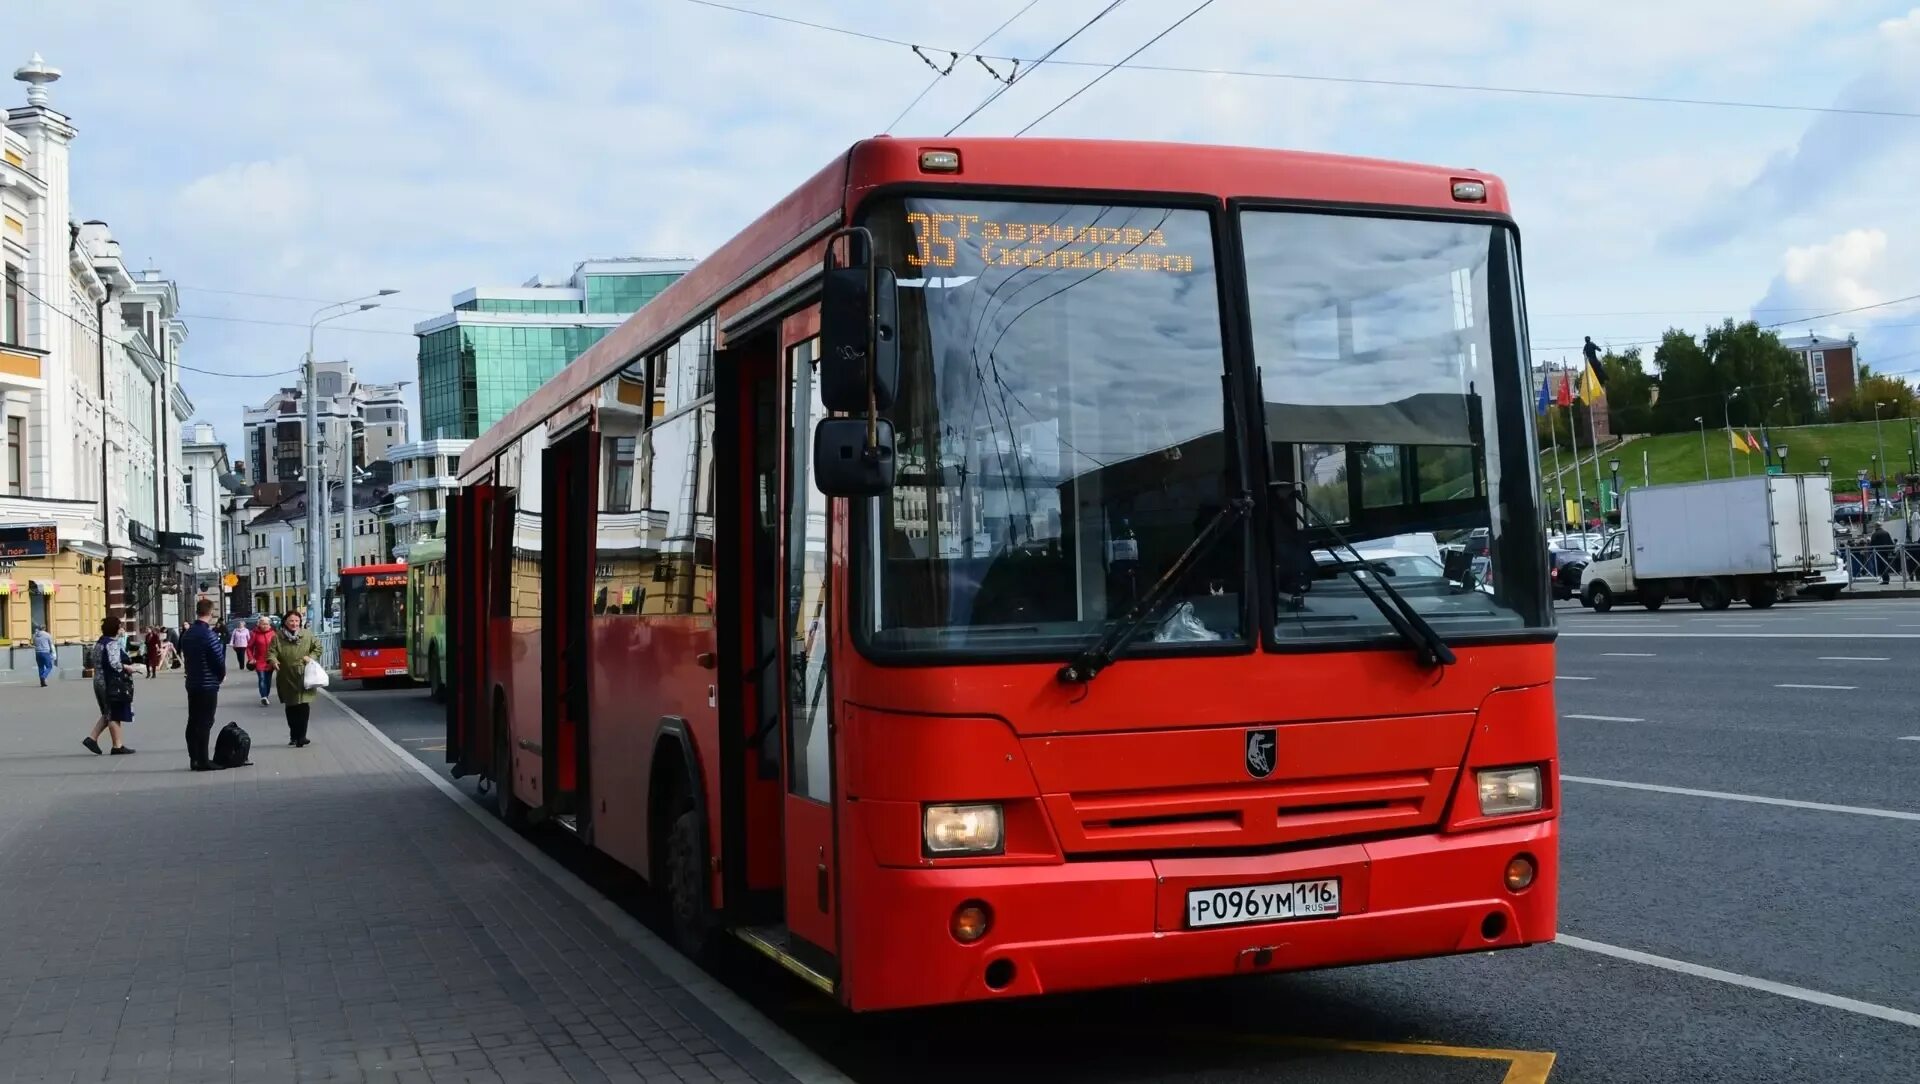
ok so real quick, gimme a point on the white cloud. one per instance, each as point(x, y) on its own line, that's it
point(253, 200)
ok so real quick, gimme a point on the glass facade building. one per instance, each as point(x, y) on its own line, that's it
point(497, 345)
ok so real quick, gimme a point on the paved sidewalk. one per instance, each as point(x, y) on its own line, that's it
point(325, 914)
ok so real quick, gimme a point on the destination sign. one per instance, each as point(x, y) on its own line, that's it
point(29, 540)
point(937, 237)
point(384, 579)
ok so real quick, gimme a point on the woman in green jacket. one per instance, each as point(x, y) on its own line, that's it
point(287, 658)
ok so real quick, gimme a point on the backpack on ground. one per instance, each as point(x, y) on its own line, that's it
point(230, 749)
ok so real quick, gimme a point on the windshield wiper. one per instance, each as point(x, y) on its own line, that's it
point(1428, 647)
point(1099, 655)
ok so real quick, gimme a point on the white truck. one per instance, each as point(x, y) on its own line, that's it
point(1716, 542)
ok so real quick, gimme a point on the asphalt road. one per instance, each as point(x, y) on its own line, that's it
point(1740, 862)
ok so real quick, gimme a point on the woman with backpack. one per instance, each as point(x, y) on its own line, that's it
point(288, 657)
point(112, 689)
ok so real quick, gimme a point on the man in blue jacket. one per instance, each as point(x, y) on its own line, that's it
point(206, 663)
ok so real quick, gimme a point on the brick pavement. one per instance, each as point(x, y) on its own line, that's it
point(325, 914)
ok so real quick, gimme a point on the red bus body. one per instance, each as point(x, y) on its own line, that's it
point(373, 625)
point(1118, 796)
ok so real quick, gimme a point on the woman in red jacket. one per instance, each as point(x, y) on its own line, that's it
point(257, 661)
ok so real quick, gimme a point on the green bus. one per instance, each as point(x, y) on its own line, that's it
point(427, 613)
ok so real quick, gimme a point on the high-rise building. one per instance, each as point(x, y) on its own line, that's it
point(276, 431)
point(500, 343)
point(424, 473)
point(1830, 363)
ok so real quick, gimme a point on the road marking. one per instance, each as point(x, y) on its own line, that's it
point(1798, 993)
point(752, 1025)
point(1606, 718)
point(1790, 803)
point(1854, 658)
point(1523, 1066)
point(1570, 677)
point(1629, 654)
point(1834, 688)
point(1911, 737)
point(1863, 619)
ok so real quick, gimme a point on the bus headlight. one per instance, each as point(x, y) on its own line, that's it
point(962, 829)
point(1508, 790)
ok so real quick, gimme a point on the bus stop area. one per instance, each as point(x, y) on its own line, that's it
point(323, 914)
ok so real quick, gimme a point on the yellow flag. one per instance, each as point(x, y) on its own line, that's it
point(1738, 444)
point(1590, 387)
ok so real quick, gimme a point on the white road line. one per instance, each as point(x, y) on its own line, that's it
point(1571, 677)
point(1911, 737)
point(1733, 978)
point(1630, 654)
point(1854, 658)
point(1790, 803)
point(1606, 718)
point(1863, 619)
point(1834, 688)
point(773, 1041)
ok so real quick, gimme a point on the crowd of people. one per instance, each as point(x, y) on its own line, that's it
point(284, 662)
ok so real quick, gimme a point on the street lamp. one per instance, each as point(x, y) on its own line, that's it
point(316, 517)
point(1782, 452)
point(1727, 414)
point(1882, 444)
point(1706, 470)
point(1614, 465)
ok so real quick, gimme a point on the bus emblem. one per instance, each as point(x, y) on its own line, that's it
point(1261, 745)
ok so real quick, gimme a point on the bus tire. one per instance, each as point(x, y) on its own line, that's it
point(436, 688)
point(689, 911)
point(507, 805)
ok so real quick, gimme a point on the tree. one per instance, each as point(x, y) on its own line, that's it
point(1891, 390)
point(1629, 392)
point(1747, 357)
point(1686, 382)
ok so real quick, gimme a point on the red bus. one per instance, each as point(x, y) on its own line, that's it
point(373, 622)
point(988, 574)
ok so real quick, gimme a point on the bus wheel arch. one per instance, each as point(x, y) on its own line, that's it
point(677, 838)
point(436, 677)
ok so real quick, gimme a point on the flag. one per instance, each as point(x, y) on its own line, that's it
point(1592, 383)
point(1738, 444)
point(1752, 443)
point(1545, 399)
point(1563, 395)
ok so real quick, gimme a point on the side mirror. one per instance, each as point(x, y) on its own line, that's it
point(859, 330)
point(845, 464)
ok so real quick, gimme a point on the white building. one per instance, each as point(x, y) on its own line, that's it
point(424, 472)
point(90, 403)
point(215, 498)
point(276, 431)
point(273, 546)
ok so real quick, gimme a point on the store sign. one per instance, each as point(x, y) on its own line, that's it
point(29, 540)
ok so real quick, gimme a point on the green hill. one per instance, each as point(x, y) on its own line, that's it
point(1676, 457)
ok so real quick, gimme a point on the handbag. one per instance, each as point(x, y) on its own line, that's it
point(313, 676)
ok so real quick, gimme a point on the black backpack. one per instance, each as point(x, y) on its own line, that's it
point(230, 749)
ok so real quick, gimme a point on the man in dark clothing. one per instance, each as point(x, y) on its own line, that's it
point(1883, 549)
point(206, 663)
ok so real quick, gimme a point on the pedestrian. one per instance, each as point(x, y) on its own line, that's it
point(1882, 543)
point(43, 652)
point(153, 645)
point(239, 639)
point(206, 664)
point(260, 657)
point(291, 650)
point(112, 689)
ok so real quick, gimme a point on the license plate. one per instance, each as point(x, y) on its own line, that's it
point(395, 673)
point(1279, 902)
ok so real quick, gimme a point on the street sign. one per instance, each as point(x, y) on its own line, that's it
point(229, 580)
point(1775, 468)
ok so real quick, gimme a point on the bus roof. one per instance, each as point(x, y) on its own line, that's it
point(739, 269)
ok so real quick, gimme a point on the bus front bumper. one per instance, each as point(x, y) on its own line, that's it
point(1093, 924)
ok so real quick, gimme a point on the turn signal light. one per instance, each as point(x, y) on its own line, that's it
point(971, 921)
point(1520, 872)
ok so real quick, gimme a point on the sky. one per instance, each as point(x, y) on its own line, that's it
point(273, 157)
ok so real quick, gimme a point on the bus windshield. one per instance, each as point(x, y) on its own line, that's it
point(1395, 406)
point(1061, 429)
point(374, 609)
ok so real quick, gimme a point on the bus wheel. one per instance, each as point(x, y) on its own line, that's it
point(687, 884)
point(436, 689)
point(511, 810)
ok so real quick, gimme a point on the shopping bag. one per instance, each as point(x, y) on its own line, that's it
point(314, 676)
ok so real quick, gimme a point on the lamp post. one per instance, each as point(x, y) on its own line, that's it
point(316, 493)
point(1614, 465)
point(1878, 481)
point(1727, 415)
point(1706, 470)
point(1782, 453)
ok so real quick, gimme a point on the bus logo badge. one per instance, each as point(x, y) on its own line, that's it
point(1261, 745)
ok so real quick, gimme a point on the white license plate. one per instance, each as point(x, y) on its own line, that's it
point(396, 673)
point(1278, 902)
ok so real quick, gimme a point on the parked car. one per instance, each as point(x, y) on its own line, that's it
point(1564, 570)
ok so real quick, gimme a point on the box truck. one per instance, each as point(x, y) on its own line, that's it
point(1716, 542)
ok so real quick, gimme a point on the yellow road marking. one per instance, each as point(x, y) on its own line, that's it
point(1523, 1066)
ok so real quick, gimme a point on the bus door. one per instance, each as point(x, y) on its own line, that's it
point(569, 466)
point(811, 853)
point(469, 743)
